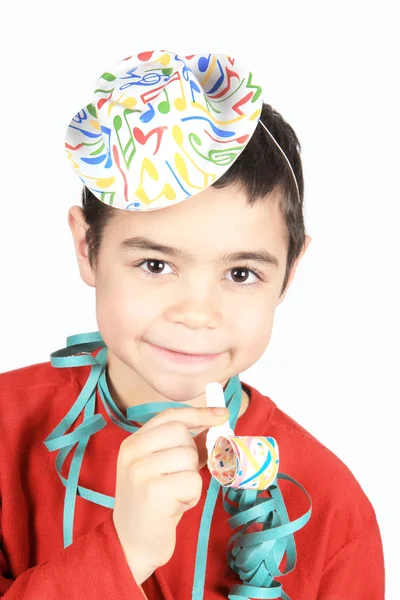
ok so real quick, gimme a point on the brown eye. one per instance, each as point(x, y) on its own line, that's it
point(240, 274)
point(155, 266)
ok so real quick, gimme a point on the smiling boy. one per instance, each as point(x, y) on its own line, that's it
point(185, 295)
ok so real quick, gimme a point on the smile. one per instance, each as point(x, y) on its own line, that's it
point(184, 358)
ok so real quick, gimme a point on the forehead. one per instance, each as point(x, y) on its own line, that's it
point(215, 220)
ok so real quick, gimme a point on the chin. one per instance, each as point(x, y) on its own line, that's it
point(177, 388)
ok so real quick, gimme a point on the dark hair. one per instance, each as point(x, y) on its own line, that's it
point(259, 170)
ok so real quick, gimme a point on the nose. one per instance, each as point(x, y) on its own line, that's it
point(196, 309)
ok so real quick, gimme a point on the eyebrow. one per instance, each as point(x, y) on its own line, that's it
point(143, 243)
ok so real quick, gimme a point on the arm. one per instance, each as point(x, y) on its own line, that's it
point(92, 567)
point(357, 571)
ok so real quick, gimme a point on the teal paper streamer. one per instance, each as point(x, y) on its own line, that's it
point(255, 557)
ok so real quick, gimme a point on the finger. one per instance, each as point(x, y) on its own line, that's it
point(172, 434)
point(181, 490)
point(172, 460)
point(190, 416)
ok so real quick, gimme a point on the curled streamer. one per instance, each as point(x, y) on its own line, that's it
point(264, 536)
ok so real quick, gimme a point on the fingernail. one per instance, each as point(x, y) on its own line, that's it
point(219, 411)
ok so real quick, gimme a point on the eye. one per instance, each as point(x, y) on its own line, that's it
point(154, 263)
point(240, 274)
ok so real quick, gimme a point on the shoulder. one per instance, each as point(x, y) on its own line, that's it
point(34, 376)
point(303, 453)
point(33, 400)
point(33, 387)
point(43, 375)
point(311, 459)
point(340, 507)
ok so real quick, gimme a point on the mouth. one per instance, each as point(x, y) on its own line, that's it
point(185, 357)
point(198, 354)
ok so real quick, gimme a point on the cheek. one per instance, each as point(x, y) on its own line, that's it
point(121, 309)
point(257, 326)
point(253, 330)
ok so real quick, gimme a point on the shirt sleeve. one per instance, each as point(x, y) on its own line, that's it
point(92, 567)
point(357, 570)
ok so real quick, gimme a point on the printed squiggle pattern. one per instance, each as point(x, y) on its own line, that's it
point(247, 462)
point(161, 128)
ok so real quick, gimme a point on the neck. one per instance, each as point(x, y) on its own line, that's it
point(128, 389)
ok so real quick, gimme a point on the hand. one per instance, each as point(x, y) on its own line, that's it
point(157, 481)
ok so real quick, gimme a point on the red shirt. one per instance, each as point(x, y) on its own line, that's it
point(339, 551)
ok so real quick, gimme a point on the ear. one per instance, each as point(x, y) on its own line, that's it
point(294, 267)
point(78, 226)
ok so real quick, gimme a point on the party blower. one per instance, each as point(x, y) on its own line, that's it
point(246, 462)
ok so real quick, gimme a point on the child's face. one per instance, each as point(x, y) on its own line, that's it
point(197, 305)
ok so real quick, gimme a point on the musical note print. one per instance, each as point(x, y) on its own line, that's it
point(239, 103)
point(80, 117)
point(185, 69)
point(153, 93)
point(128, 102)
point(147, 80)
point(85, 132)
point(162, 127)
point(210, 107)
point(181, 167)
point(249, 85)
point(219, 81)
point(230, 74)
point(95, 157)
point(194, 88)
point(221, 132)
point(70, 156)
point(151, 170)
point(104, 95)
point(218, 156)
point(180, 164)
point(145, 56)
point(165, 106)
point(107, 197)
point(124, 177)
point(108, 77)
point(204, 62)
point(128, 147)
point(180, 102)
point(148, 116)
point(103, 101)
point(142, 138)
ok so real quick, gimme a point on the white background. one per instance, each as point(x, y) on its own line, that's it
point(333, 73)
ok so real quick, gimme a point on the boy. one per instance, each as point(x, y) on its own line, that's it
point(184, 296)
